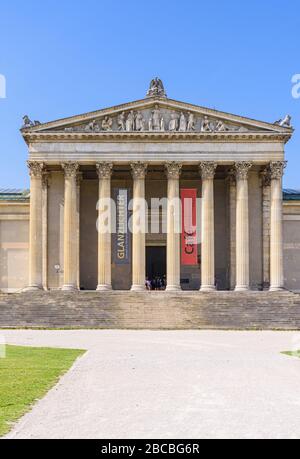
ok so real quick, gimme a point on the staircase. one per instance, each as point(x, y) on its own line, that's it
point(155, 310)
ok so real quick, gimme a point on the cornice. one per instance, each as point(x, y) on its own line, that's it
point(33, 137)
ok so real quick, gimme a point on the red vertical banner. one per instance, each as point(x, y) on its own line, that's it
point(189, 246)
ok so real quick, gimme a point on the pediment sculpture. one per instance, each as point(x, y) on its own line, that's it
point(157, 120)
point(27, 123)
point(285, 122)
point(156, 88)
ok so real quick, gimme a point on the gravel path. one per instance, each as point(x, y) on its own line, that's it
point(206, 384)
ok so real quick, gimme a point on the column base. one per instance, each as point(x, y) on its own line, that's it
point(208, 288)
point(173, 288)
point(104, 288)
point(242, 288)
point(69, 288)
point(138, 288)
point(276, 289)
point(33, 288)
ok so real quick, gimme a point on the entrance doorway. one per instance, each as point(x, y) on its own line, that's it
point(156, 263)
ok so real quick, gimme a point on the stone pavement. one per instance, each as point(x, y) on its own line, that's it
point(178, 384)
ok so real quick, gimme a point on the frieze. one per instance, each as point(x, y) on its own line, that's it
point(156, 120)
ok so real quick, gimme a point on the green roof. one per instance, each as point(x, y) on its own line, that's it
point(8, 194)
point(21, 195)
point(291, 195)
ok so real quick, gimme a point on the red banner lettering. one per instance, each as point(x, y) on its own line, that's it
point(189, 247)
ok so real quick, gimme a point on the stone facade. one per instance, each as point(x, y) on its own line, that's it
point(291, 232)
point(154, 148)
point(14, 239)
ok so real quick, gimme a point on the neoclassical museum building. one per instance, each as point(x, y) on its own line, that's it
point(151, 149)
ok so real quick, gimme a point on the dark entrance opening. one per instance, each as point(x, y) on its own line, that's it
point(156, 262)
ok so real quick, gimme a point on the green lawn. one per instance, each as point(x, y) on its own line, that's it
point(26, 375)
point(293, 354)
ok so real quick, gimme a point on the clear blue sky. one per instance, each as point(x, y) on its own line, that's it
point(69, 57)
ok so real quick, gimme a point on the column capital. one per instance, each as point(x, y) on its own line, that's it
point(104, 170)
point(277, 169)
point(79, 178)
point(138, 170)
point(45, 179)
point(265, 175)
point(208, 170)
point(173, 170)
point(35, 169)
point(242, 169)
point(70, 168)
point(231, 176)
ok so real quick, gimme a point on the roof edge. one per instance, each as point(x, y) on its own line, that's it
point(150, 101)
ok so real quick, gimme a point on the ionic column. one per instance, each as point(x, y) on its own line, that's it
point(242, 226)
point(104, 171)
point(276, 226)
point(174, 225)
point(70, 226)
point(35, 230)
point(139, 171)
point(207, 171)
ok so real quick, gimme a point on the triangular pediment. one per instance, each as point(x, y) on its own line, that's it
point(156, 115)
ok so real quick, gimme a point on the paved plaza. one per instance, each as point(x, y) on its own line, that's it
point(206, 384)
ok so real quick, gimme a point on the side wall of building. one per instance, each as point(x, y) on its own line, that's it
point(14, 245)
point(291, 232)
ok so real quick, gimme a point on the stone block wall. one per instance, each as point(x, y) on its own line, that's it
point(14, 246)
